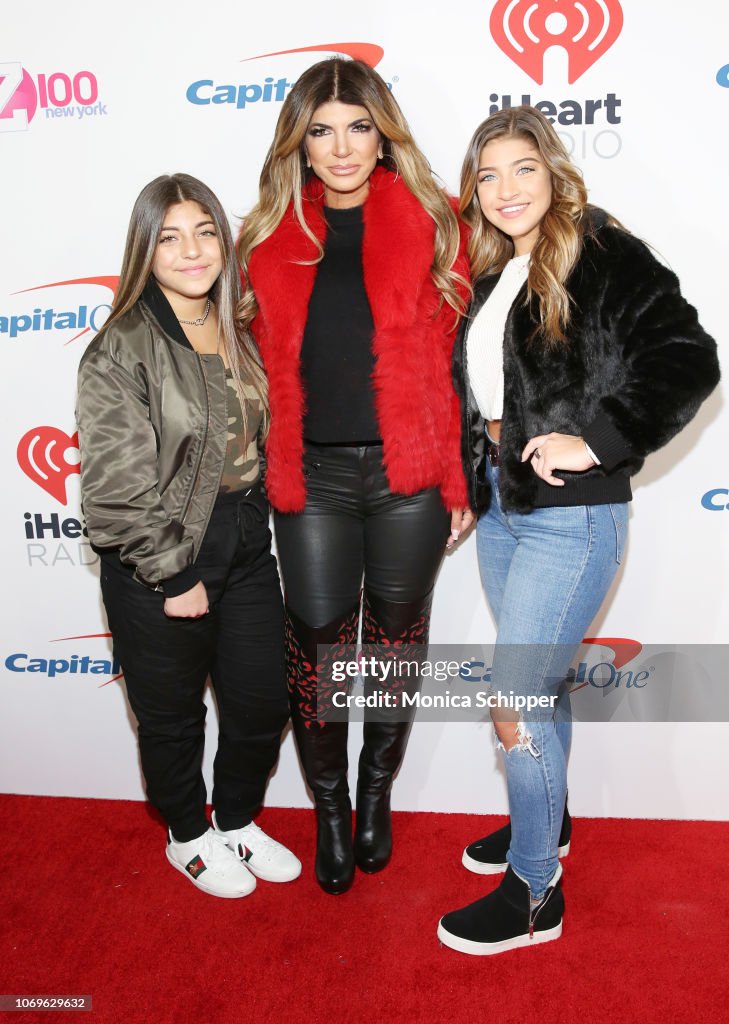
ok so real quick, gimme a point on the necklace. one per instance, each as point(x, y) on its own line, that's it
point(200, 320)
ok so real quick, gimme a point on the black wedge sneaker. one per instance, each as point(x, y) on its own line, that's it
point(506, 918)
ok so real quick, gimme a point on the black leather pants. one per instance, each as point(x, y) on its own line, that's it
point(353, 529)
point(353, 526)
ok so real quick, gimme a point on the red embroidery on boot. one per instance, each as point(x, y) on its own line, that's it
point(312, 685)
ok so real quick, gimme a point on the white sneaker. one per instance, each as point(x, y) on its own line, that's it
point(262, 855)
point(211, 866)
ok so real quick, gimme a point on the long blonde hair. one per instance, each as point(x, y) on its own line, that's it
point(561, 230)
point(145, 226)
point(285, 173)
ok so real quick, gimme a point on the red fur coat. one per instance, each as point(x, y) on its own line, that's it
point(415, 402)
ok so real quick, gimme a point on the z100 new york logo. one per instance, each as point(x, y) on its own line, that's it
point(584, 30)
point(67, 95)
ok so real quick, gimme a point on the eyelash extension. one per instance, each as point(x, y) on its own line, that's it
point(360, 126)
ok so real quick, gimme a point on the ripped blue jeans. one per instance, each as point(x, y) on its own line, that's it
point(545, 575)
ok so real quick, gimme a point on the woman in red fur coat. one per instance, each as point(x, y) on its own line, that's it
point(355, 282)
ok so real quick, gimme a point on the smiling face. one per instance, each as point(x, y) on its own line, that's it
point(514, 189)
point(188, 258)
point(342, 148)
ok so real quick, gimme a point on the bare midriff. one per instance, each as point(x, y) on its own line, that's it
point(493, 429)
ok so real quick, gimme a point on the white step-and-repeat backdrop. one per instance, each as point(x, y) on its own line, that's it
point(95, 100)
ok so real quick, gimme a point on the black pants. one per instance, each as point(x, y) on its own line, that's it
point(166, 662)
point(354, 526)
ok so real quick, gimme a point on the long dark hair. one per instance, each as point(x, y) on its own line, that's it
point(145, 226)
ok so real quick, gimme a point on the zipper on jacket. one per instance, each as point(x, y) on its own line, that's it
point(198, 467)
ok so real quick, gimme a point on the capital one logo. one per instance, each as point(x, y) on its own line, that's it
point(370, 53)
point(609, 674)
point(205, 91)
point(42, 319)
point(526, 29)
point(716, 500)
point(49, 457)
point(71, 664)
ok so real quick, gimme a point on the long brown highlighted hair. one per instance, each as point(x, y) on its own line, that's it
point(285, 172)
point(561, 230)
point(145, 226)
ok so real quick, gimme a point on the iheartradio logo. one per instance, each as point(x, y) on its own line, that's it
point(49, 457)
point(526, 29)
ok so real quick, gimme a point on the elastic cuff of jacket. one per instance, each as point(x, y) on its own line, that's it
point(606, 442)
point(182, 582)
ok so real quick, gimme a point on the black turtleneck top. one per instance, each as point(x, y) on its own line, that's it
point(337, 360)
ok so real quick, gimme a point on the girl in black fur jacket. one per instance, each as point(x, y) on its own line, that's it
point(579, 357)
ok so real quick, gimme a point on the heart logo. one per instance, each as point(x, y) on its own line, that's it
point(585, 29)
point(42, 457)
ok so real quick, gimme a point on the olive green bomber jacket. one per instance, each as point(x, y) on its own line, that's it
point(152, 421)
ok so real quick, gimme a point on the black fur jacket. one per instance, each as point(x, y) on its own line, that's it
point(635, 370)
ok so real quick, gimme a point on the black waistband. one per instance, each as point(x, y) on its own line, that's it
point(254, 492)
point(342, 444)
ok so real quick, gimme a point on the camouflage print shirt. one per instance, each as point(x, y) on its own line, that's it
point(241, 468)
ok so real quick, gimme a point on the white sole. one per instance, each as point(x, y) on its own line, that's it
point(210, 892)
point(479, 868)
point(269, 878)
point(472, 948)
point(248, 865)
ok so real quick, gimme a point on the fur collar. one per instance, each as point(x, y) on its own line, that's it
point(412, 342)
point(397, 252)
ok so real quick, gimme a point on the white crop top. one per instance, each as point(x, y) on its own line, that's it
point(485, 344)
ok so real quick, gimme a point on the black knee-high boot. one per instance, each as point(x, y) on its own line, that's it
point(389, 625)
point(322, 746)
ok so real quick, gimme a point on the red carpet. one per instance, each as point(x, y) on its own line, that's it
point(91, 906)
